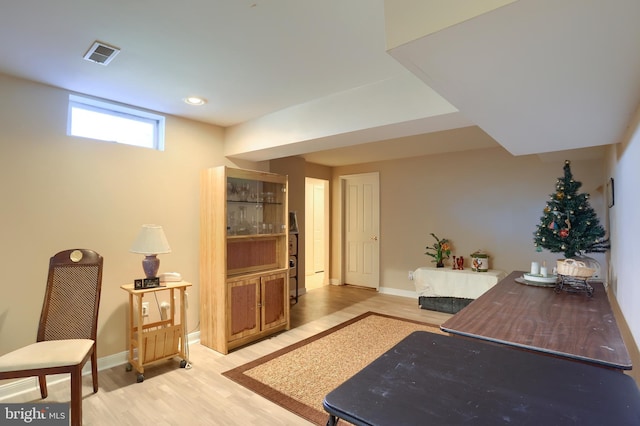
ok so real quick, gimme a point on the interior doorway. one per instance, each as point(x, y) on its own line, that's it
point(316, 233)
point(361, 229)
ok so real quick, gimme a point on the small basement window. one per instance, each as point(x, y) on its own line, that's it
point(108, 121)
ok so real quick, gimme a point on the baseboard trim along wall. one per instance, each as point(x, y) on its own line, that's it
point(397, 292)
point(28, 384)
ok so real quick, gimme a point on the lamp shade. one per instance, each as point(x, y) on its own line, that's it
point(151, 240)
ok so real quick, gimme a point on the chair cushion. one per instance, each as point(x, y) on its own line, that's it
point(47, 354)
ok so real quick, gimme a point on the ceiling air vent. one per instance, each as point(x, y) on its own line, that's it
point(101, 53)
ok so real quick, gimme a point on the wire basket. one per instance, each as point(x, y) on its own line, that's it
point(572, 284)
point(574, 268)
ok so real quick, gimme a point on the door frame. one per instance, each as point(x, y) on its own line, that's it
point(342, 214)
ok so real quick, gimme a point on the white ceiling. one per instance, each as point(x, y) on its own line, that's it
point(539, 75)
point(254, 60)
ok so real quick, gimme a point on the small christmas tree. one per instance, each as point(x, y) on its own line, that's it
point(569, 224)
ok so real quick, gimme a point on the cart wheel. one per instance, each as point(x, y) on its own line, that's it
point(140, 378)
point(129, 367)
point(183, 363)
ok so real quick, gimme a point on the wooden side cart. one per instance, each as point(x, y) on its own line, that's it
point(159, 340)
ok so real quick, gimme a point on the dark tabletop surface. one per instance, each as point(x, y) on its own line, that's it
point(430, 379)
point(537, 318)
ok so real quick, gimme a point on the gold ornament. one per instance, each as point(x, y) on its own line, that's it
point(560, 195)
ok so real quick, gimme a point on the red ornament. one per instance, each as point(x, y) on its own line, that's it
point(564, 233)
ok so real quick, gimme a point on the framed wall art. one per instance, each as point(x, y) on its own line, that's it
point(611, 195)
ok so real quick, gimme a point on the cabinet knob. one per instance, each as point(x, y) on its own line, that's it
point(374, 238)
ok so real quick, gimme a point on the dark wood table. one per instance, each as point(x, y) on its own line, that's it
point(571, 325)
point(432, 379)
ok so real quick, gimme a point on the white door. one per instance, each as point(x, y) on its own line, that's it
point(318, 228)
point(316, 241)
point(361, 230)
point(316, 233)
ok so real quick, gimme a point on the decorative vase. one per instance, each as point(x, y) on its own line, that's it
point(244, 227)
point(440, 264)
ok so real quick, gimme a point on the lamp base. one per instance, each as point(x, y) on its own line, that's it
point(150, 265)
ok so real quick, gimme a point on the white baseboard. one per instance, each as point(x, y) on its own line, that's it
point(28, 384)
point(397, 292)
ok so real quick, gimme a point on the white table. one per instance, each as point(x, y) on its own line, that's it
point(447, 282)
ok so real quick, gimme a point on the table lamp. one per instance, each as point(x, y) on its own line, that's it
point(151, 241)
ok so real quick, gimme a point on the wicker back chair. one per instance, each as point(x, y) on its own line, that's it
point(68, 327)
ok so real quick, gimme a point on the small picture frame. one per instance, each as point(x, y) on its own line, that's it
point(611, 194)
point(293, 222)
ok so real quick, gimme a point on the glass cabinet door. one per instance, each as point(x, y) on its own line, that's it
point(255, 207)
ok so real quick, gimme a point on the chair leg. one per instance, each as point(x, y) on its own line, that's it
point(42, 381)
point(94, 370)
point(76, 396)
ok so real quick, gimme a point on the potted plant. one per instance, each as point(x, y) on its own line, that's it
point(440, 250)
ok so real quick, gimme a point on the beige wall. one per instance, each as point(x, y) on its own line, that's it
point(294, 168)
point(62, 192)
point(622, 165)
point(484, 199)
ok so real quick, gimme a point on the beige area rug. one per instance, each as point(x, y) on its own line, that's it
point(299, 376)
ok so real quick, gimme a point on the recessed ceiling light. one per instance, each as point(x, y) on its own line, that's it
point(195, 100)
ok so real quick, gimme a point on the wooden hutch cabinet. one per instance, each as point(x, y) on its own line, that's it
point(244, 260)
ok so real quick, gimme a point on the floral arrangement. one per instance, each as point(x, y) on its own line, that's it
point(440, 250)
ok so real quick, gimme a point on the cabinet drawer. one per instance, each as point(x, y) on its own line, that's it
point(251, 254)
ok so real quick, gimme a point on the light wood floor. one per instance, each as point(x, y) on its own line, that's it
point(200, 395)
